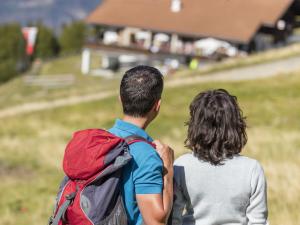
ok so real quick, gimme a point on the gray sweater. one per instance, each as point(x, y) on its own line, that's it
point(231, 194)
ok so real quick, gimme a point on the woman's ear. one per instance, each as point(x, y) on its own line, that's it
point(119, 97)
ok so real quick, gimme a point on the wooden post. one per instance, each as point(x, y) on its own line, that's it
point(174, 40)
point(148, 42)
point(85, 61)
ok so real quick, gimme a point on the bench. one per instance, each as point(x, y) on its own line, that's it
point(50, 81)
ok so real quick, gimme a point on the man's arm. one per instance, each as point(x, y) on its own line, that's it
point(156, 208)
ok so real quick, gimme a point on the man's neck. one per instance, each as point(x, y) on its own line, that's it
point(138, 121)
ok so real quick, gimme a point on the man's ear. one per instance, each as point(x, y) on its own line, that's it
point(157, 105)
point(119, 97)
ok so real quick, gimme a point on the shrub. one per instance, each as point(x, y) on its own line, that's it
point(12, 51)
point(72, 37)
point(47, 44)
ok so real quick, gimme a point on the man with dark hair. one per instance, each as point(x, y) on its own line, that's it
point(148, 178)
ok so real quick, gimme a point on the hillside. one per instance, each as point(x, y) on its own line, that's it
point(32, 144)
point(86, 85)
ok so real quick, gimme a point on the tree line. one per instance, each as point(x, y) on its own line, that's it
point(13, 58)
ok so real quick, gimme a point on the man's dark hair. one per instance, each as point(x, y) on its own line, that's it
point(217, 128)
point(140, 88)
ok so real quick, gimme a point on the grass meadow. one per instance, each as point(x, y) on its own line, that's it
point(32, 145)
point(15, 92)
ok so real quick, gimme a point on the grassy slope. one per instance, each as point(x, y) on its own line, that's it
point(15, 92)
point(32, 145)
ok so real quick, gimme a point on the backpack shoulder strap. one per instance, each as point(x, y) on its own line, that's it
point(135, 138)
point(62, 209)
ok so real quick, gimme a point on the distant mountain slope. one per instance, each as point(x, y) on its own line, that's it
point(53, 13)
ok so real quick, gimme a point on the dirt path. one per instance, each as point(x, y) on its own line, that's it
point(38, 106)
point(245, 73)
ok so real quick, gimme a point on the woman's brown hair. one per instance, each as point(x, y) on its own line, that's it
point(217, 128)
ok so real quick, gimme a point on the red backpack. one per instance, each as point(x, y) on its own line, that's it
point(90, 193)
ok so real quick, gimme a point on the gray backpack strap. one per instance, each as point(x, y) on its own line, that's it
point(134, 138)
point(62, 209)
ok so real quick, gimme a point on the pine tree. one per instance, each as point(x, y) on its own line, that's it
point(12, 51)
point(47, 44)
point(72, 37)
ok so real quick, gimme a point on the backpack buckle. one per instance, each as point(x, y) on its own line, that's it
point(71, 196)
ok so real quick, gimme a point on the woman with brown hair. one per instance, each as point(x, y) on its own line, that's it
point(215, 184)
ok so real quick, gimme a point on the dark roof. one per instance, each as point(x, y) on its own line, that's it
point(234, 20)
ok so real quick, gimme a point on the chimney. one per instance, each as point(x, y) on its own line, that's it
point(176, 6)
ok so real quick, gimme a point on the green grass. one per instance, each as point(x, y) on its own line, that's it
point(62, 65)
point(68, 64)
point(32, 145)
point(297, 31)
point(15, 92)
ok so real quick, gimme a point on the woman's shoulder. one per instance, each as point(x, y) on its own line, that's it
point(241, 161)
point(245, 160)
point(184, 159)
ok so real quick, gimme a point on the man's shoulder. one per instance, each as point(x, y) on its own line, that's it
point(142, 151)
point(117, 132)
point(142, 148)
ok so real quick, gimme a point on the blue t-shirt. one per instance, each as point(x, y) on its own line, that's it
point(143, 175)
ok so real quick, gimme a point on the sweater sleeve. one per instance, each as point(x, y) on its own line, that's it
point(179, 199)
point(257, 211)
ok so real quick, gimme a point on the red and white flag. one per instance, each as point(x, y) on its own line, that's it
point(30, 35)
